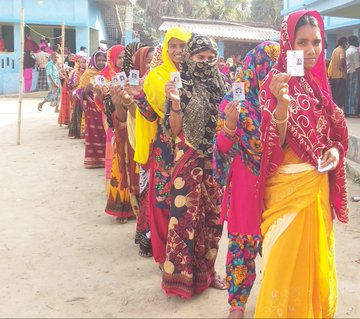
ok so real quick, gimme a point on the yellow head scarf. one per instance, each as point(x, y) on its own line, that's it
point(154, 88)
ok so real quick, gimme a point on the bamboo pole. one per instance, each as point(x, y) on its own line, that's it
point(63, 43)
point(21, 74)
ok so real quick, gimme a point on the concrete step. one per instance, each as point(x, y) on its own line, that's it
point(353, 154)
point(353, 169)
point(354, 148)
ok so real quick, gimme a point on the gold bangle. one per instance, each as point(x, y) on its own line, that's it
point(229, 130)
point(276, 121)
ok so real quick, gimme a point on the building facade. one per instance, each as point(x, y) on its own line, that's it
point(232, 38)
point(88, 23)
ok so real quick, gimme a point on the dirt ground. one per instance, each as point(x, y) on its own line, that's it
point(61, 256)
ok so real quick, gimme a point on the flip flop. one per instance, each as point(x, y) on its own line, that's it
point(218, 282)
point(143, 253)
point(121, 220)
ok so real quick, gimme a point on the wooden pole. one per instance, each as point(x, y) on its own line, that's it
point(63, 43)
point(21, 74)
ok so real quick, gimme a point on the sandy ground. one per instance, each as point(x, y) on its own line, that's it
point(61, 256)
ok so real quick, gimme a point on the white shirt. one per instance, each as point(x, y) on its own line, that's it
point(352, 59)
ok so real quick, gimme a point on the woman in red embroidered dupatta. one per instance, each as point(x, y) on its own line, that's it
point(299, 277)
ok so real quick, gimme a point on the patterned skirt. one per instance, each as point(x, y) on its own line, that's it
point(75, 119)
point(194, 230)
point(124, 181)
point(95, 137)
point(65, 108)
point(42, 84)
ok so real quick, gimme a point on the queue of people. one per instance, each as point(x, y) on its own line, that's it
point(181, 159)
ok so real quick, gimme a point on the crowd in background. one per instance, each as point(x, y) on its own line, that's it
point(344, 75)
point(182, 159)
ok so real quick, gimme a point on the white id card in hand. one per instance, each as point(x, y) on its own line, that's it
point(99, 80)
point(324, 169)
point(115, 80)
point(238, 91)
point(176, 79)
point(134, 77)
point(122, 78)
point(295, 62)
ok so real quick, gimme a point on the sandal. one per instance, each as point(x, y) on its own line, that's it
point(121, 220)
point(144, 253)
point(218, 282)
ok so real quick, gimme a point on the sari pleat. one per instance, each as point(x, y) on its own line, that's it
point(299, 277)
point(124, 180)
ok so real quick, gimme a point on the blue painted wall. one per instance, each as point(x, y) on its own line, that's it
point(78, 14)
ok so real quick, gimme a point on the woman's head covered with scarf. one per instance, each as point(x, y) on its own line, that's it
point(156, 60)
point(315, 124)
point(113, 65)
point(256, 64)
point(202, 91)
point(130, 51)
point(93, 60)
point(80, 62)
point(154, 89)
point(94, 69)
point(142, 60)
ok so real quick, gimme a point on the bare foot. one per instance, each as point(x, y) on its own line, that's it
point(40, 107)
point(238, 314)
point(57, 110)
point(218, 282)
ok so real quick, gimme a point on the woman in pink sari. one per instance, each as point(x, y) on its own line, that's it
point(238, 157)
point(302, 179)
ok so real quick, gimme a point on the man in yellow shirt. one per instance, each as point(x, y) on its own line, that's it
point(337, 72)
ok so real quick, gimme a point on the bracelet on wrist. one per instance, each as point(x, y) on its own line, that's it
point(175, 111)
point(228, 135)
point(276, 121)
point(231, 131)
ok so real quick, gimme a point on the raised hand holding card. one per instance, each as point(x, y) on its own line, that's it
point(238, 91)
point(134, 77)
point(122, 78)
point(99, 80)
point(295, 62)
point(176, 79)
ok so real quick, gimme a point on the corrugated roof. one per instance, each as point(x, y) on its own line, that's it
point(223, 30)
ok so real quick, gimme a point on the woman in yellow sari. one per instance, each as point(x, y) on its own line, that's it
point(153, 147)
point(303, 179)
